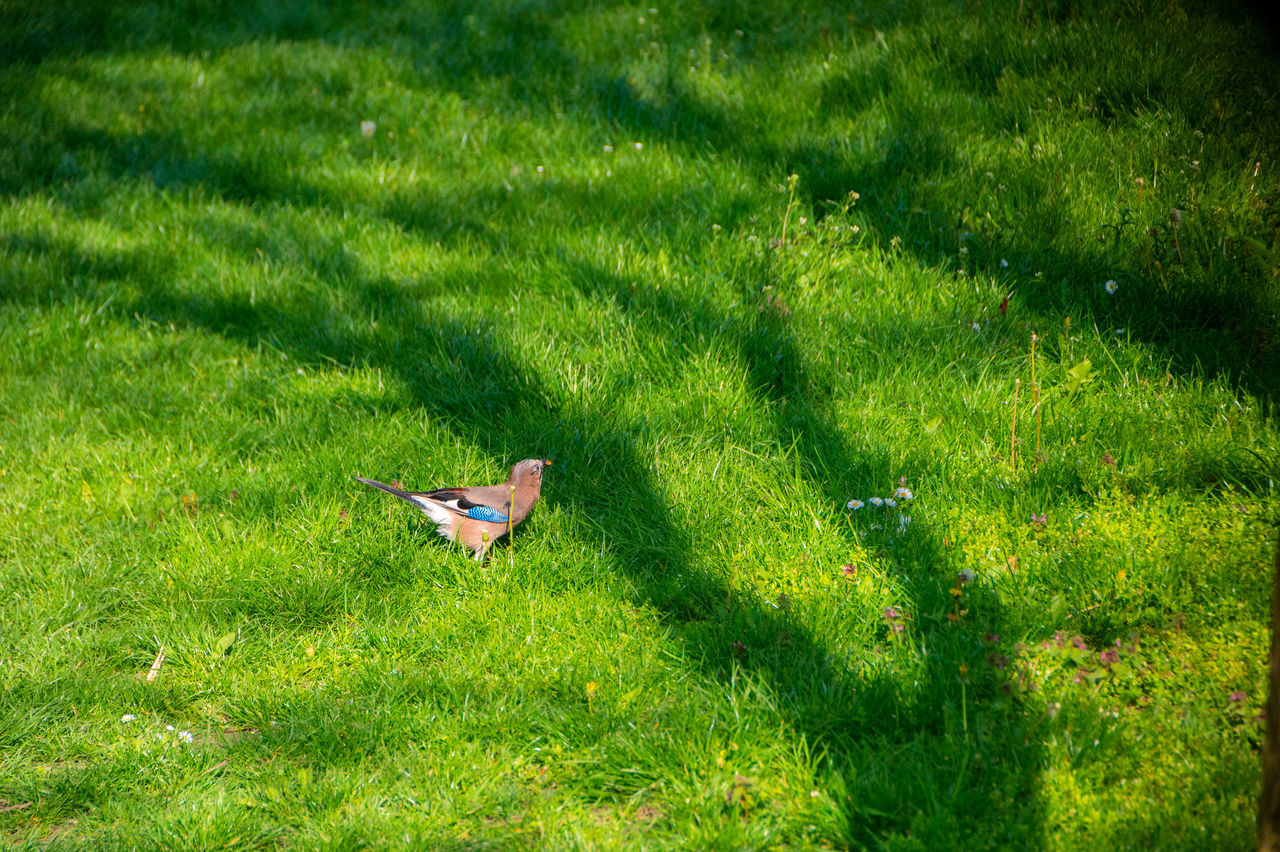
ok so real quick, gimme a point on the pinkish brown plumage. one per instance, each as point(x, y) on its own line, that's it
point(479, 515)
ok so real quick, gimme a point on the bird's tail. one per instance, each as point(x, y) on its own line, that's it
point(445, 520)
point(403, 495)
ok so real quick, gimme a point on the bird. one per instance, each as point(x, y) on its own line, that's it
point(480, 515)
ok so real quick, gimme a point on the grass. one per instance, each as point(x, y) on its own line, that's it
point(563, 237)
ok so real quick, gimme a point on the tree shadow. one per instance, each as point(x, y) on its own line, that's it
point(469, 375)
point(1199, 325)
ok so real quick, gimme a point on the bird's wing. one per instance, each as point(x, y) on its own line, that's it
point(466, 501)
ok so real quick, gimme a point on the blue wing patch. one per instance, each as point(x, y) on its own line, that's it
point(486, 513)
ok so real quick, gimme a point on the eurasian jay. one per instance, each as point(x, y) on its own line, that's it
point(480, 515)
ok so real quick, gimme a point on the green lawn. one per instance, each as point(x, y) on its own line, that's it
point(730, 266)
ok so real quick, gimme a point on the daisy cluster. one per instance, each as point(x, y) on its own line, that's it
point(901, 495)
point(182, 736)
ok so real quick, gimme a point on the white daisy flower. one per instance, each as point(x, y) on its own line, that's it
point(128, 717)
point(890, 502)
point(608, 149)
point(876, 501)
point(185, 736)
point(368, 128)
point(976, 327)
point(1111, 286)
point(854, 504)
point(903, 493)
point(1004, 264)
point(639, 145)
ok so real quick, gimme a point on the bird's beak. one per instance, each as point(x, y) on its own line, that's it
point(546, 462)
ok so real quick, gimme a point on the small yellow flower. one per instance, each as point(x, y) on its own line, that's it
point(592, 689)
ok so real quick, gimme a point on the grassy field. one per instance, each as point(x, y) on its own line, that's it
point(730, 266)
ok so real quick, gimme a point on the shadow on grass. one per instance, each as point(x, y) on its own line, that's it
point(467, 376)
point(1221, 322)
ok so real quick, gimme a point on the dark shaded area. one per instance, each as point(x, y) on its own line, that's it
point(467, 376)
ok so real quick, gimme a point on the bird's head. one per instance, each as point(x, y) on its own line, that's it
point(528, 473)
